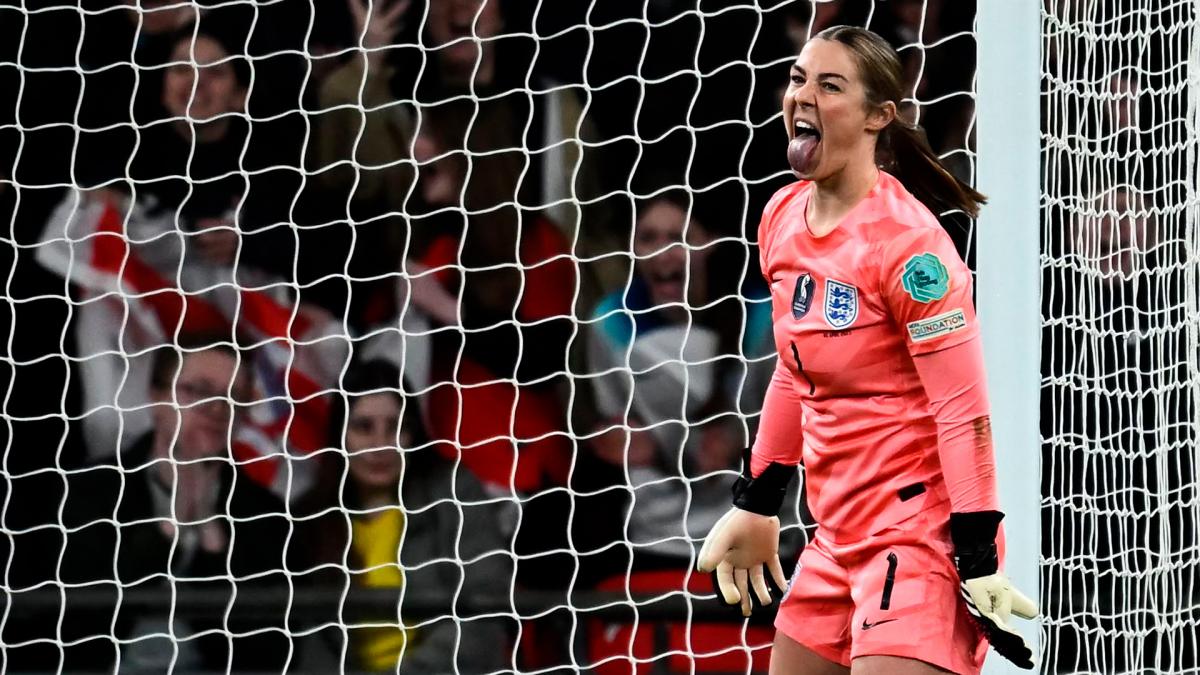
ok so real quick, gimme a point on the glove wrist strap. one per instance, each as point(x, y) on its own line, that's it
point(974, 538)
point(762, 494)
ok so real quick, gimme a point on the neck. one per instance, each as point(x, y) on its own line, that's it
point(482, 77)
point(205, 132)
point(836, 195)
point(376, 498)
point(846, 187)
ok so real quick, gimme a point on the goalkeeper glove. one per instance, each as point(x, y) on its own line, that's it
point(746, 538)
point(989, 595)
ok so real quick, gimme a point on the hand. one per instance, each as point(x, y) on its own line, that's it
point(217, 240)
point(737, 548)
point(991, 600)
point(989, 595)
point(424, 292)
point(377, 22)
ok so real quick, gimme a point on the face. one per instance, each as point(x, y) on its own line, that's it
point(825, 109)
point(206, 419)
point(1115, 236)
point(1122, 106)
point(452, 21)
point(217, 87)
point(373, 441)
point(662, 258)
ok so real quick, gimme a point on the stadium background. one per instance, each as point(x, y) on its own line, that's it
point(554, 187)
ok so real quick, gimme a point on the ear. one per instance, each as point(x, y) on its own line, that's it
point(879, 118)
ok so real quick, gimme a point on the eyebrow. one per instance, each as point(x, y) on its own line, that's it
point(820, 76)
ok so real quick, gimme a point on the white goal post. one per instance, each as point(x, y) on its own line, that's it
point(1008, 230)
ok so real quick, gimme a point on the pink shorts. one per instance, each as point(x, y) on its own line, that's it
point(895, 593)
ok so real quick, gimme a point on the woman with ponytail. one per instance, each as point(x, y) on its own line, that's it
point(879, 391)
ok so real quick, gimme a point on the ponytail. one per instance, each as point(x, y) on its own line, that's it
point(901, 146)
point(906, 154)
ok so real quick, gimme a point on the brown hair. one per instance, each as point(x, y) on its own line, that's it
point(168, 358)
point(902, 147)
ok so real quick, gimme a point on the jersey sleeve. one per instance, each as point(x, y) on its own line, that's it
point(955, 383)
point(779, 429)
point(927, 288)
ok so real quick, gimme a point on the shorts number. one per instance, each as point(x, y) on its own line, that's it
point(889, 582)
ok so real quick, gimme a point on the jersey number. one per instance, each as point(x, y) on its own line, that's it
point(812, 388)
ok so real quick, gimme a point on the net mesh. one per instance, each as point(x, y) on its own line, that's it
point(1119, 387)
point(514, 240)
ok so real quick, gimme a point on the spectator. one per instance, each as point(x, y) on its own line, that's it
point(174, 513)
point(365, 135)
point(497, 288)
point(662, 353)
point(201, 162)
point(464, 53)
point(395, 513)
point(499, 346)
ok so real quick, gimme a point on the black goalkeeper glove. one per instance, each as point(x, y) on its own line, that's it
point(989, 595)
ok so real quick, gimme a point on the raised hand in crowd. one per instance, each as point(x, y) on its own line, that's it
point(376, 24)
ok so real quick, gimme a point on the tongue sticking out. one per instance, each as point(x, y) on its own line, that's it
point(800, 153)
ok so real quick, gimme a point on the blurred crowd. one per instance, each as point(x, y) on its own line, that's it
point(453, 297)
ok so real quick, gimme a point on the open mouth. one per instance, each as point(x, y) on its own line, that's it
point(802, 129)
point(802, 149)
point(668, 283)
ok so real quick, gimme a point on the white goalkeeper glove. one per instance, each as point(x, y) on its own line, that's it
point(990, 596)
point(746, 539)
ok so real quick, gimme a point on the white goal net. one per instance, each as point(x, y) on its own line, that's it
point(425, 335)
point(1120, 397)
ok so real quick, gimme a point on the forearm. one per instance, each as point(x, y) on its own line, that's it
point(779, 432)
point(364, 125)
point(956, 386)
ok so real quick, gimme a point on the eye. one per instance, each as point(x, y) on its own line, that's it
point(797, 80)
point(829, 86)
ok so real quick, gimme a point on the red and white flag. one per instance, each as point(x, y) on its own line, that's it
point(141, 287)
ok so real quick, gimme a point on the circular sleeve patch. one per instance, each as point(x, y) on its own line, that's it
point(925, 278)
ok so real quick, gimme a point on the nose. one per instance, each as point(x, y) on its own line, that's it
point(380, 438)
point(803, 95)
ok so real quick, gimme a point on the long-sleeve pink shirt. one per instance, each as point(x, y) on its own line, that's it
point(880, 374)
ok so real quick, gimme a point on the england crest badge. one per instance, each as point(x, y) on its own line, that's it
point(802, 295)
point(841, 304)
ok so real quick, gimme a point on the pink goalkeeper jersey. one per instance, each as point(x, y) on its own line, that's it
point(850, 310)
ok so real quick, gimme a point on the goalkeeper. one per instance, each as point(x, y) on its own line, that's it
point(880, 372)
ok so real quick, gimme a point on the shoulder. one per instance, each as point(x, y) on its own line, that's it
point(776, 206)
point(782, 198)
point(897, 212)
point(247, 498)
point(899, 224)
point(432, 480)
point(101, 488)
point(612, 319)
